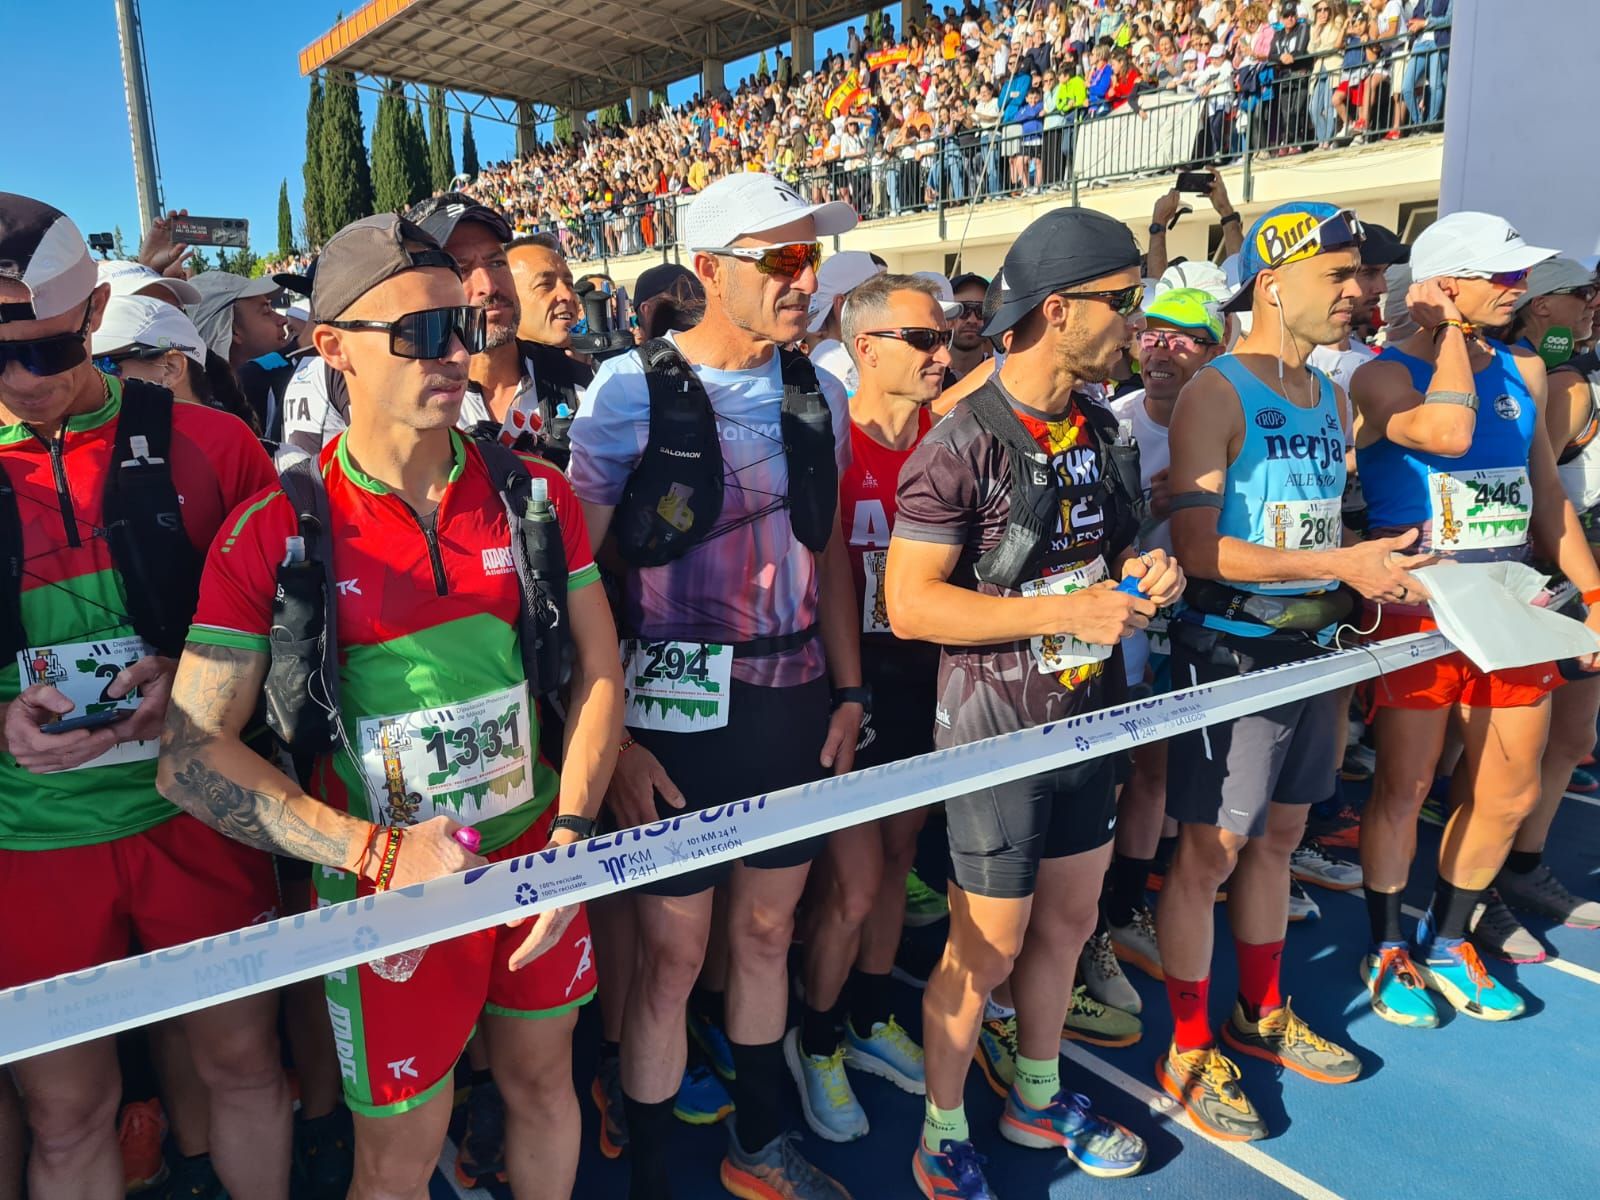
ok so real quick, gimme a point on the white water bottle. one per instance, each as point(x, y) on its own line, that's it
point(397, 968)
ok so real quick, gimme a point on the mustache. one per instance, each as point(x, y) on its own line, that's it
point(496, 300)
point(442, 380)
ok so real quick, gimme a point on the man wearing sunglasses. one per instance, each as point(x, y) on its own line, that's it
point(429, 640)
point(895, 330)
point(1454, 446)
point(88, 848)
point(1026, 639)
point(751, 592)
point(970, 348)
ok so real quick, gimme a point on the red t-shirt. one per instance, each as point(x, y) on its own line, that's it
point(866, 513)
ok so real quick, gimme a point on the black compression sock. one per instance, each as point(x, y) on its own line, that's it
point(1125, 887)
point(869, 1001)
point(1165, 849)
point(610, 1051)
point(1452, 909)
point(650, 1131)
point(1520, 862)
point(1383, 915)
point(708, 1006)
point(756, 1088)
point(819, 1031)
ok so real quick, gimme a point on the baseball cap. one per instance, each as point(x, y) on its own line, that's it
point(148, 323)
point(1380, 247)
point(1195, 274)
point(364, 254)
point(1396, 282)
point(838, 276)
point(1555, 275)
point(42, 249)
point(663, 277)
point(1064, 247)
point(1188, 308)
point(749, 202)
point(439, 216)
point(962, 280)
point(947, 294)
point(1467, 244)
point(131, 278)
point(219, 291)
point(1291, 232)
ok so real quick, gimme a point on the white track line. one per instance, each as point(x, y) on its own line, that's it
point(1165, 1108)
point(1591, 800)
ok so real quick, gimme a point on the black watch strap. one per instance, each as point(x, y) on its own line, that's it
point(582, 826)
point(1157, 228)
point(1230, 219)
point(853, 695)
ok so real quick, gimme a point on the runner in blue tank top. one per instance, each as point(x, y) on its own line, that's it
point(1451, 443)
point(1258, 473)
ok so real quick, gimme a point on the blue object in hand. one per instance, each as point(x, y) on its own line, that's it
point(1131, 586)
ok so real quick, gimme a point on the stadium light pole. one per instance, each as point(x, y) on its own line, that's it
point(146, 167)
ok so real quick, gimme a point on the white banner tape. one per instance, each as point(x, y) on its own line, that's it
point(66, 1010)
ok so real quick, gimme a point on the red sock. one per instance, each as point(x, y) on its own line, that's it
point(1191, 1026)
point(1258, 976)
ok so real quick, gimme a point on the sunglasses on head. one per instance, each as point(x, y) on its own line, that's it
point(1339, 231)
point(788, 258)
point(1123, 301)
point(48, 355)
point(917, 337)
point(1166, 339)
point(427, 334)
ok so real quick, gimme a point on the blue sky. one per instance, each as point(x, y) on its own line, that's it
point(228, 99)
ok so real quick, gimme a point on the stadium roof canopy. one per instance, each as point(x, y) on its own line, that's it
point(579, 54)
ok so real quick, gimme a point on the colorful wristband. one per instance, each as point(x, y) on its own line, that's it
point(391, 854)
point(1591, 597)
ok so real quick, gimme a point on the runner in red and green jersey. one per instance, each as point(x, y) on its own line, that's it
point(89, 851)
point(438, 732)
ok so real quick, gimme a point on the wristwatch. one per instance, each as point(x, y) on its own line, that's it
point(1229, 219)
point(853, 695)
point(582, 826)
point(1156, 227)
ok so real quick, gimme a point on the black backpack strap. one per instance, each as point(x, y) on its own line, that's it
point(13, 637)
point(1123, 493)
point(150, 548)
point(302, 685)
point(808, 449)
point(1035, 504)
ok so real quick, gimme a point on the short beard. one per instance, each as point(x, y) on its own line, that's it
point(496, 336)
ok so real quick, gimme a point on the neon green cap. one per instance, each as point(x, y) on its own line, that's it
point(1187, 308)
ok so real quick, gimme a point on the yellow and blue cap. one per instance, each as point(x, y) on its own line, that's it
point(1291, 232)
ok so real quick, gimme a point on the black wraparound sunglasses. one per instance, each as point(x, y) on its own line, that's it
point(918, 337)
point(427, 334)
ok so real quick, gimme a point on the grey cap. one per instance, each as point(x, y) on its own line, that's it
point(1555, 275)
point(364, 254)
point(219, 292)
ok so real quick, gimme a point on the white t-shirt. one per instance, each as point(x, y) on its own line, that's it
point(315, 408)
point(1340, 366)
point(1155, 456)
point(831, 356)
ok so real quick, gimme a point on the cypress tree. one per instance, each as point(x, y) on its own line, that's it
point(316, 232)
point(419, 174)
point(389, 184)
point(441, 155)
point(469, 148)
point(346, 178)
point(285, 222)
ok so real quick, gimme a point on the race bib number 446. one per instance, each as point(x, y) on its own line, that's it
point(1480, 510)
point(82, 672)
point(676, 687)
point(468, 761)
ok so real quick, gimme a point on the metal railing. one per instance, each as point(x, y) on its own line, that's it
point(1266, 113)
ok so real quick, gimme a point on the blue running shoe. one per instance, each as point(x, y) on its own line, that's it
point(714, 1042)
point(1454, 970)
point(888, 1053)
point(1395, 989)
point(702, 1100)
point(826, 1098)
point(1100, 1147)
point(955, 1173)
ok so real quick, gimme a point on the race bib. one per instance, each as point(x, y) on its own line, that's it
point(1480, 510)
point(1058, 652)
point(469, 761)
point(82, 672)
point(874, 603)
point(1301, 525)
point(676, 687)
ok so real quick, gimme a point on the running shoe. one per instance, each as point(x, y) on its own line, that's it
point(140, 1130)
point(1281, 1037)
point(1539, 891)
point(1099, 1024)
point(997, 1052)
point(1099, 1147)
point(1583, 783)
point(324, 1156)
point(1301, 906)
point(924, 906)
point(1135, 942)
point(1101, 973)
point(1206, 1083)
point(954, 1173)
point(1341, 831)
point(1396, 990)
point(701, 1099)
point(606, 1092)
point(1309, 864)
point(1495, 931)
point(777, 1171)
point(196, 1179)
point(826, 1098)
point(482, 1154)
point(1436, 804)
point(1454, 970)
point(1358, 762)
point(889, 1053)
point(710, 1038)
point(1157, 878)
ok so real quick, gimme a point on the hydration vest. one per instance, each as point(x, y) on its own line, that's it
point(1578, 462)
point(557, 380)
point(151, 552)
point(674, 497)
point(1038, 493)
point(302, 685)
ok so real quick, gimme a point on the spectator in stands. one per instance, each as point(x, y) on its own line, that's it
point(1325, 44)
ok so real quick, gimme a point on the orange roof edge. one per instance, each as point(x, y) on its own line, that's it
point(349, 31)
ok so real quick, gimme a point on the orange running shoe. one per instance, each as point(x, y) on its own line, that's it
point(141, 1129)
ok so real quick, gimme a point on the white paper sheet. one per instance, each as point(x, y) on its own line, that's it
point(1487, 610)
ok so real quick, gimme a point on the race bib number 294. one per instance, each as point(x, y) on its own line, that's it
point(676, 687)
